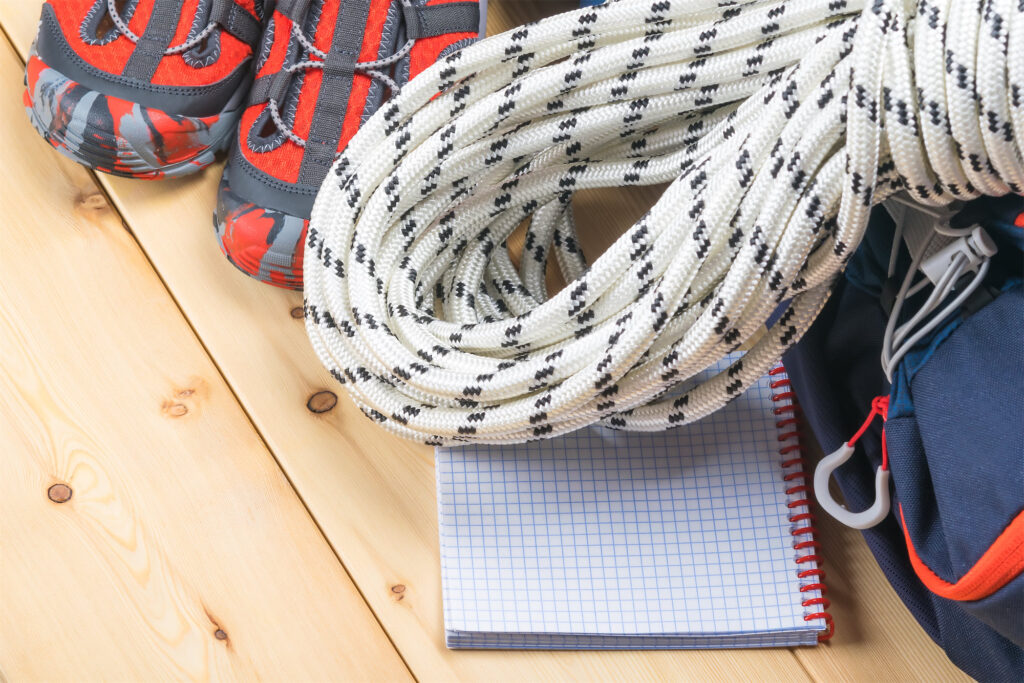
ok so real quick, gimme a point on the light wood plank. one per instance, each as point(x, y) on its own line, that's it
point(183, 551)
point(373, 494)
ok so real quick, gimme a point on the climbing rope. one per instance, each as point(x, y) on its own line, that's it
point(778, 124)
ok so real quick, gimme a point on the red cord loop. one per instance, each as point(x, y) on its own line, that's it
point(879, 407)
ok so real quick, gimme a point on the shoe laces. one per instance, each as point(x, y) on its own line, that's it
point(368, 68)
point(122, 26)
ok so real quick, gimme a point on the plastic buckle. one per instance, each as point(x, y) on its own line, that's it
point(975, 246)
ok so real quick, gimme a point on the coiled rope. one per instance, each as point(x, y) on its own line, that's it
point(779, 125)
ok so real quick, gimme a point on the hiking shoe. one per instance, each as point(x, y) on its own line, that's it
point(324, 67)
point(141, 88)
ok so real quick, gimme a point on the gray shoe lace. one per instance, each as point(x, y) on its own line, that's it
point(122, 26)
point(371, 69)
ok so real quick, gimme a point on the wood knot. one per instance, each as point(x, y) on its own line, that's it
point(59, 493)
point(173, 409)
point(297, 312)
point(218, 632)
point(185, 398)
point(94, 201)
point(322, 401)
point(398, 591)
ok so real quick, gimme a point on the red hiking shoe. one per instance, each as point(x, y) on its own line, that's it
point(141, 88)
point(325, 66)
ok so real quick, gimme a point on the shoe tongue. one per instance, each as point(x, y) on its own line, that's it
point(324, 106)
point(340, 34)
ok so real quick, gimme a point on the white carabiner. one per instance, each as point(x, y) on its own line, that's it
point(858, 520)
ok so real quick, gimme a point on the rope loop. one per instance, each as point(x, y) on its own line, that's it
point(777, 123)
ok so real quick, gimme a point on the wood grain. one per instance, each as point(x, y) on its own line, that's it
point(373, 494)
point(147, 533)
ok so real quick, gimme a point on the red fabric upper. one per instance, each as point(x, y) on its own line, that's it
point(173, 69)
point(284, 161)
point(426, 50)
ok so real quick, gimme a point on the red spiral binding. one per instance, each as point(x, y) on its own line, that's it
point(803, 522)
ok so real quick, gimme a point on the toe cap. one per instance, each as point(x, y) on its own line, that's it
point(263, 243)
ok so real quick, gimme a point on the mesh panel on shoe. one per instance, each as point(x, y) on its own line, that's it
point(80, 20)
point(382, 36)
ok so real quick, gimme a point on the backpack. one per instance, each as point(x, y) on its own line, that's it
point(951, 541)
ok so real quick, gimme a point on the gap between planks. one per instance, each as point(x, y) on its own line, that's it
point(503, 14)
point(115, 205)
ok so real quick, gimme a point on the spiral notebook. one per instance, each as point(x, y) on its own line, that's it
point(698, 537)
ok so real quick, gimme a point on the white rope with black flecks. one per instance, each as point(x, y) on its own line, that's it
point(779, 125)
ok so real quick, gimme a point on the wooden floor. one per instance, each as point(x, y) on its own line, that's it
point(216, 525)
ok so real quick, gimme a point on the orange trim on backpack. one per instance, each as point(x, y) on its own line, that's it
point(1001, 563)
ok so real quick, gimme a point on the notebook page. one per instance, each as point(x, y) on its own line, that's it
point(604, 532)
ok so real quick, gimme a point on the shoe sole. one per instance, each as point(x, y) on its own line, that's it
point(116, 136)
point(263, 243)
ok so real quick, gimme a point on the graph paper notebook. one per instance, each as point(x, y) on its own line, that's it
point(695, 537)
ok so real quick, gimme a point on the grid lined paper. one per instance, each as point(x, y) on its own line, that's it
point(604, 539)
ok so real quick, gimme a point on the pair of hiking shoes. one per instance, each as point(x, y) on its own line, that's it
point(156, 88)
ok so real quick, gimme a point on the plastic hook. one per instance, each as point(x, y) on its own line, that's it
point(878, 510)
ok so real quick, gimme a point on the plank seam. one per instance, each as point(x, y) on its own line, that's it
point(101, 185)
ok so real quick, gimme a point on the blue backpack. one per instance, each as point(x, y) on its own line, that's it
point(951, 436)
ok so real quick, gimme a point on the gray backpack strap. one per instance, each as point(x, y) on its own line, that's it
point(437, 20)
